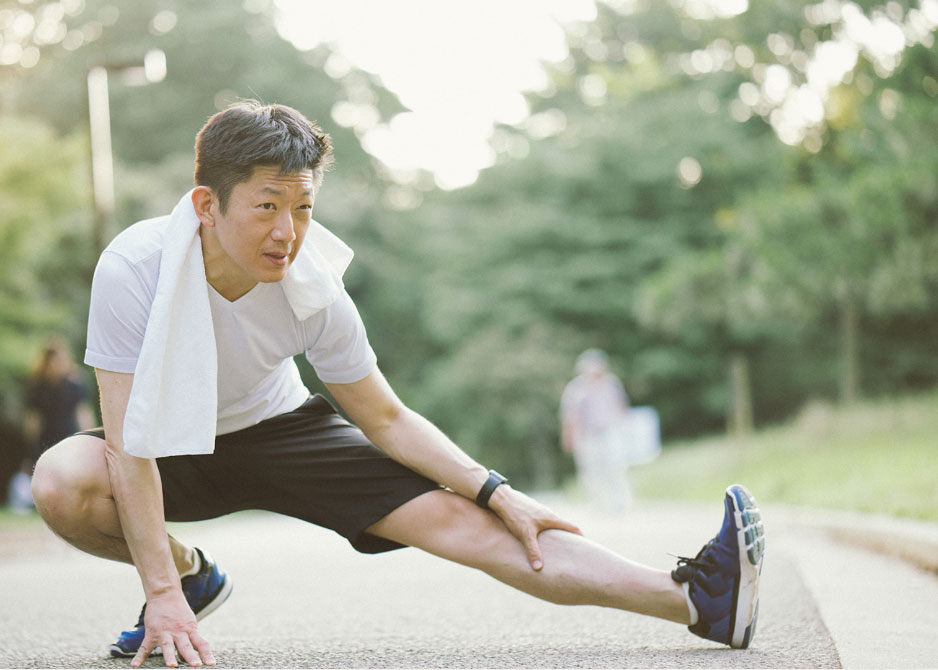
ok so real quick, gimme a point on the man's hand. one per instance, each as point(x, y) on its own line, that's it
point(413, 441)
point(525, 518)
point(171, 625)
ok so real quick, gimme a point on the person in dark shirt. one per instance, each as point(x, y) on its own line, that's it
point(56, 401)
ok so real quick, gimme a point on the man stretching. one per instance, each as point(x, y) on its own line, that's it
point(194, 321)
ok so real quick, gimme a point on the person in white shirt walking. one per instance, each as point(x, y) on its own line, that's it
point(593, 408)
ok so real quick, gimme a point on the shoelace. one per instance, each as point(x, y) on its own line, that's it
point(703, 561)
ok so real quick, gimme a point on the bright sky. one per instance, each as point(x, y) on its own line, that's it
point(459, 66)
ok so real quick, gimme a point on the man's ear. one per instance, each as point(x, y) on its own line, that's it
point(204, 202)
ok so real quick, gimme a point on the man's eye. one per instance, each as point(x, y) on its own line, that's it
point(269, 206)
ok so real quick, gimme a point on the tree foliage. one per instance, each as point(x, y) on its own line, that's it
point(43, 247)
point(684, 194)
point(656, 214)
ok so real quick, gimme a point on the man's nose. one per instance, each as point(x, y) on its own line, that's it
point(283, 228)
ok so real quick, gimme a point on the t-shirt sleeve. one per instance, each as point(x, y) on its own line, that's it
point(340, 352)
point(117, 318)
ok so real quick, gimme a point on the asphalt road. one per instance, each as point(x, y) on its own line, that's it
point(303, 598)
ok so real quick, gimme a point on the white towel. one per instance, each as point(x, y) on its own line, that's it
point(173, 403)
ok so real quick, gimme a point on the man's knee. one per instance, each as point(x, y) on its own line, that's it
point(69, 475)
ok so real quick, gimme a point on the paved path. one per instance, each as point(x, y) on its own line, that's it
point(323, 605)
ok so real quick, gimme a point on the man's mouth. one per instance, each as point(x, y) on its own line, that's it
point(279, 258)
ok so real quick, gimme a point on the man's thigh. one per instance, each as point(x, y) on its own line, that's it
point(314, 465)
point(184, 482)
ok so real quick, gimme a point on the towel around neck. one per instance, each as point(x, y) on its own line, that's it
point(173, 402)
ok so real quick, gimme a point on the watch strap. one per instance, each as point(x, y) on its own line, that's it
point(488, 488)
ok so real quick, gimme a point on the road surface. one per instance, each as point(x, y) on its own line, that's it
point(304, 599)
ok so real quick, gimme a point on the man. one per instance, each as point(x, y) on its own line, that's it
point(592, 409)
point(177, 326)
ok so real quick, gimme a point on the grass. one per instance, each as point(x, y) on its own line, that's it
point(13, 521)
point(872, 457)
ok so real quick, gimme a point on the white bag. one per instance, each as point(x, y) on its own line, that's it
point(640, 432)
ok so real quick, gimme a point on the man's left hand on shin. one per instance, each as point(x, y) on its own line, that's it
point(525, 518)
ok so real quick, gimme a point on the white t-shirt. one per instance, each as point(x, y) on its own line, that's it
point(595, 404)
point(256, 336)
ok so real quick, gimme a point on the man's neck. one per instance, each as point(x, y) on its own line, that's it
point(223, 276)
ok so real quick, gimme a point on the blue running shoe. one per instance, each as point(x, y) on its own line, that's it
point(723, 579)
point(205, 591)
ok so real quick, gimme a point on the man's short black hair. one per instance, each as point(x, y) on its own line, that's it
point(248, 134)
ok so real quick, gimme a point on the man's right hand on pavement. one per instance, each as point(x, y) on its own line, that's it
point(171, 625)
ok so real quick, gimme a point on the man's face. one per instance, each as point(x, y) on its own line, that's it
point(263, 227)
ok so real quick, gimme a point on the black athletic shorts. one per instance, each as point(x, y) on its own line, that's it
point(310, 463)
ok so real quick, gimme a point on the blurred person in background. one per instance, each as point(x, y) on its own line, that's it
point(593, 408)
point(56, 407)
point(56, 401)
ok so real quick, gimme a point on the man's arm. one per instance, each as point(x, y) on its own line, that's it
point(568, 432)
point(412, 440)
point(138, 495)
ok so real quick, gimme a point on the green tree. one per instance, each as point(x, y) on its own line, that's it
point(42, 250)
point(598, 236)
point(546, 256)
point(851, 228)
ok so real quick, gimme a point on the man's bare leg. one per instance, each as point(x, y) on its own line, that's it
point(576, 570)
point(72, 493)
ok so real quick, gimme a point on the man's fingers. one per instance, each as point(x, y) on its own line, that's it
point(203, 647)
point(169, 651)
point(139, 658)
point(560, 524)
point(195, 652)
point(187, 652)
point(533, 550)
point(142, 652)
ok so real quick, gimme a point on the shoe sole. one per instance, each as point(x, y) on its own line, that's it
point(212, 605)
point(750, 535)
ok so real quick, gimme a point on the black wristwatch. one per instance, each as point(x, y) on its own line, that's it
point(488, 488)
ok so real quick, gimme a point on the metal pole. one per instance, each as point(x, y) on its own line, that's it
point(102, 164)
